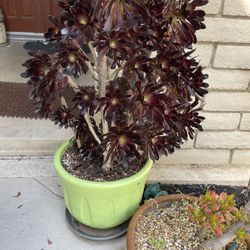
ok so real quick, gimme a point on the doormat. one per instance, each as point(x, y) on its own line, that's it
point(15, 102)
point(35, 46)
point(50, 48)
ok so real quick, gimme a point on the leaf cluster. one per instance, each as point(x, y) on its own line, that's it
point(157, 243)
point(215, 213)
point(151, 94)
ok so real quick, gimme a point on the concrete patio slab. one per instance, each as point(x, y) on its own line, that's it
point(27, 167)
point(30, 137)
point(51, 183)
point(12, 58)
point(43, 170)
point(35, 220)
point(32, 128)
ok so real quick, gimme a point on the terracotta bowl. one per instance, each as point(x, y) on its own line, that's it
point(148, 206)
point(143, 209)
point(248, 242)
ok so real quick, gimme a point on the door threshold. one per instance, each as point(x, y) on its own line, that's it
point(25, 36)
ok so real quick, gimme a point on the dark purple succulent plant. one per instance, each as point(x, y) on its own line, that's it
point(147, 87)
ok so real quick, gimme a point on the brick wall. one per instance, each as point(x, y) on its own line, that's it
point(224, 48)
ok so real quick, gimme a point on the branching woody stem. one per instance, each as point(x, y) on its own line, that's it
point(88, 121)
point(64, 103)
point(92, 71)
point(73, 84)
point(86, 116)
point(93, 52)
point(103, 73)
point(91, 67)
point(115, 73)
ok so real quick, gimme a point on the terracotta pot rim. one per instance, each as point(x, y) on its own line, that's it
point(144, 208)
point(149, 205)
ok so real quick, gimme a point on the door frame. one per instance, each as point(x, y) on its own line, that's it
point(24, 36)
point(46, 7)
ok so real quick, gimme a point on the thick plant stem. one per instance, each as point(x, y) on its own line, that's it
point(115, 73)
point(92, 71)
point(64, 103)
point(73, 84)
point(93, 52)
point(86, 116)
point(89, 65)
point(103, 76)
point(88, 121)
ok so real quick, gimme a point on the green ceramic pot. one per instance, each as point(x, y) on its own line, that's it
point(101, 204)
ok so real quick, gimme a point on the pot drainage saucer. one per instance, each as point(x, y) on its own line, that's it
point(93, 233)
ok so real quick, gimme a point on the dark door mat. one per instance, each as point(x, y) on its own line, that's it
point(35, 46)
point(50, 48)
point(242, 194)
point(15, 102)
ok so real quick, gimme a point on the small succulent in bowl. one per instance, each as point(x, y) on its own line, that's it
point(216, 214)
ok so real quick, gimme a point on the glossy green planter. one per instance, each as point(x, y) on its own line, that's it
point(101, 204)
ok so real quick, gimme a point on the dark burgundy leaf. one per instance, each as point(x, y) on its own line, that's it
point(148, 86)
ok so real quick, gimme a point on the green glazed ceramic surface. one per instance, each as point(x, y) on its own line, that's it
point(101, 204)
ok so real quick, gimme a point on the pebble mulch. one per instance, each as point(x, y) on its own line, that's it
point(168, 227)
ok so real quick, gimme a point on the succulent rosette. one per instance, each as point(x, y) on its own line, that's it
point(85, 100)
point(120, 14)
point(63, 117)
point(73, 59)
point(38, 66)
point(117, 45)
point(124, 140)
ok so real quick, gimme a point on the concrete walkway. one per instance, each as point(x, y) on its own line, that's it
point(35, 220)
point(12, 58)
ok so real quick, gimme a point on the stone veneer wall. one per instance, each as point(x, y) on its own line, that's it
point(224, 48)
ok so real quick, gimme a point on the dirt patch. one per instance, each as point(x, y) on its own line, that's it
point(242, 194)
point(83, 168)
